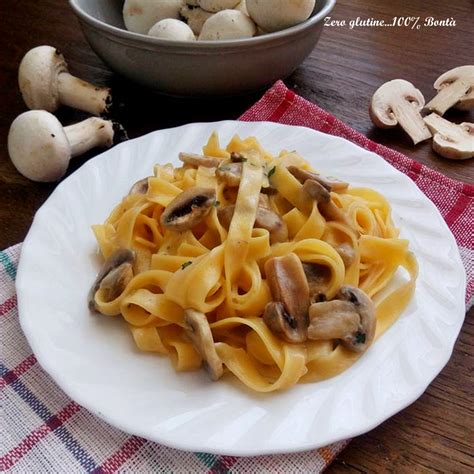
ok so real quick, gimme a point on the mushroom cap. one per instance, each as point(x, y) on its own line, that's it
point(38, 146)
point(140, 15)
point(227, 25)
point(277, 15)
point(465, 73)
point(217, 5)
point(171, 29)
point(38, 77)
point(388, 96)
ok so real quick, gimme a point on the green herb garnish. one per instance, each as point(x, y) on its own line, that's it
point(217, 203)
point(186, 264)
point(271, 172)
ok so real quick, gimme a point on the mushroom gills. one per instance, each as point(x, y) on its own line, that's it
point(318, 277)
point(122, 259)
point(199, 332)
point(288, 286)
point(188, 209)
point(399, 102)
point(350, 318)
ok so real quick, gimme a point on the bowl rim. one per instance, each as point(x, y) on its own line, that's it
point(327, 6)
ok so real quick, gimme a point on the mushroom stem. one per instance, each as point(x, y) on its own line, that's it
point(88, 134)
point(79, 94)
point(411, 121)
point(447, 97)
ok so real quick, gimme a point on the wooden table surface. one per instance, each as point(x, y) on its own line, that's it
point(436, 433)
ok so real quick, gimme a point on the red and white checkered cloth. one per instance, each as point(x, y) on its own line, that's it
point(44, 431)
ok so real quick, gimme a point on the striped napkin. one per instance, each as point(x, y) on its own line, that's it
point(42, 430)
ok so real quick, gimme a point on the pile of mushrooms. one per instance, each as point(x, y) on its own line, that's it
point(213, 20)
point(38, 145)
point(298, 312)
point(399, 102)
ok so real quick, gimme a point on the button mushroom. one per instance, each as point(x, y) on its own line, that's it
point(318, 277)
point(279, 14)
point(172, 29)
point(321, 195)
point(452, 141)
point(227, 25)
point(40, 148)
point(347, 253)
point(230, 173)
point(217, 5)
point(140, 15)
point(350, 318)
point(330, 183)
point(265, 219)
point(114, 276)
point(398, 102)
point(455, 88)
point(198, 330)
point(287, 314)
point(140, 187)
point(45, 83)
point(195, 18)
point(199, 160)
point(188, 209)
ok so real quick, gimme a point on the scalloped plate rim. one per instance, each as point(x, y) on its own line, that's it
point(61, 379)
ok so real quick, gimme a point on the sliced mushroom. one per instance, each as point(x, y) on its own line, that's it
point(399, 102)
point(287, 314)
point(140, 187)
point(188, 209)
point(455, 88)
point(452, 141)
point(199, 160)
point(347, 253)
point(114, 276)
point(198, 330)
point(330, 183)
point(350, 317)
point(321, 195)
point(318, 277)
point(230, 173)
point(237, 157)
point(265, 219)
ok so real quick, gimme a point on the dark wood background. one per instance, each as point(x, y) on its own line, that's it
point(436, 433)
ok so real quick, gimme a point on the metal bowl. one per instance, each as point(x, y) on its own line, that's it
point(197, 68)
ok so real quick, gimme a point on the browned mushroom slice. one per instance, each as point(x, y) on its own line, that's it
point(318, 277)
point(288, 286)
point(199, 160)
point(347, 253)
point(140, 187)
point(198, 330)
point(350, 317)
point(230, 173)
point(188, 209)
point(237, 157)
point(265, 219)
point(321, 195)
point(115, 274)
point(330, 183)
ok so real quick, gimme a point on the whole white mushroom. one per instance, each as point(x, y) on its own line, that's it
point(217, 5)
point(171, 29)
point(226, 25)
point(140, 15)
point(277, 15)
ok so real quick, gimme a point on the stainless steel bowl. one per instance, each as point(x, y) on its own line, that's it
point(197, 68)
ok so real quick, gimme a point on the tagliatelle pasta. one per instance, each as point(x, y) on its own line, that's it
point(202, 260)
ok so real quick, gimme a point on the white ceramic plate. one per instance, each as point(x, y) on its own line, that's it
point(94, 360)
